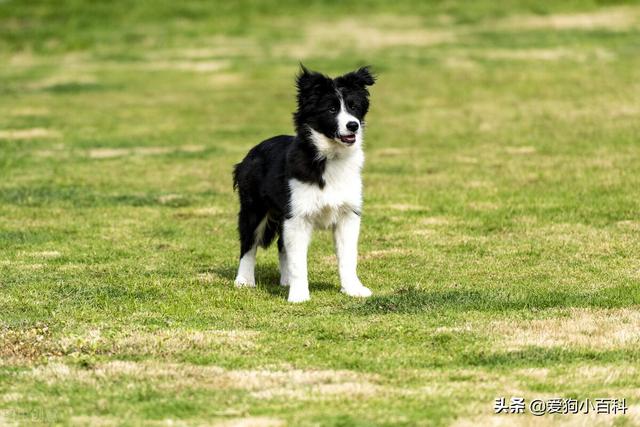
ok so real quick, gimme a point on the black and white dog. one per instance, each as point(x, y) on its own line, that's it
point(290, 184)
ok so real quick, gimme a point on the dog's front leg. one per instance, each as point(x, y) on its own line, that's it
point(345, 238)
point(297, 235)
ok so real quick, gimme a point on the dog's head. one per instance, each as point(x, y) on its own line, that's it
point(333, 108)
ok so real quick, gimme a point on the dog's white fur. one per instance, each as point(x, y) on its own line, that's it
point(337, 205)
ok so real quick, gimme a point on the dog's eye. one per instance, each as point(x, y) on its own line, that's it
point(351, 105)
point(333, 110)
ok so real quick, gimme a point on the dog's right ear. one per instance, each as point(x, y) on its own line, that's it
point(308, 81)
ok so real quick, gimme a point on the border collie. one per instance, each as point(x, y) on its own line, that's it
point(289, 185)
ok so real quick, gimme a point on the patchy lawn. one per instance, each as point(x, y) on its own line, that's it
point(500, 232)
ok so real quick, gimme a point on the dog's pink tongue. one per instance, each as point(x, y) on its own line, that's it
point(348, 138)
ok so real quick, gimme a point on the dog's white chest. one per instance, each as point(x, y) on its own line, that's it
point(342, 192)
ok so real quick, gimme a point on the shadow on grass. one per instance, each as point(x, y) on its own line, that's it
point(414, 300)
point(78, 87)
point(268, 277)
point(541, 356)
point(81, 196)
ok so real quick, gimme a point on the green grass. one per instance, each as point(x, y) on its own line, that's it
point(500, 231)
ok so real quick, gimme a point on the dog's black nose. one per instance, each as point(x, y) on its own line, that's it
point(353, 126)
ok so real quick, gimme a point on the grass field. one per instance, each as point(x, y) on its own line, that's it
point(500, 235)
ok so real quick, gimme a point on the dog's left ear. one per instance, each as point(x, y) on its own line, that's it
point(361, 77)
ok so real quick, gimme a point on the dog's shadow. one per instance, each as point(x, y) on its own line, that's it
point(268, 278)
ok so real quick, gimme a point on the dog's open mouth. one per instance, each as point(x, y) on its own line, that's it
point(348, 139)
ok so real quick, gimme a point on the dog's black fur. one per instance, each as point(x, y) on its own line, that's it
point(262, 177)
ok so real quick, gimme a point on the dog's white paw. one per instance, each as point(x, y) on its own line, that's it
point(242, 282)
point(357, 291)
point(284, 281)
point(298, 295)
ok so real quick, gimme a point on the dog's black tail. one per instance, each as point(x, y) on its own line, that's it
point(236, 171)
point(271, 230)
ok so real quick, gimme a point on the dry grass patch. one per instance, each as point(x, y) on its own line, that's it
point(391, 152)
point(303, 384)
point(589, 239)
point(169, 198)
point(521, 150)
point(312, 391)
point(11, 397)
point(467, 160)
point(582, 328)
point(170, 342)
point(208, 211)
point(612, 19)
point(259, 383)
point(208, 66)
point(546, 54)
point(457, 383)
point(224, 79)
point(383, 253)
point(31, 266)
point(423, 232)
point(108, 153)
point(28, 134)
point(534, 373)
point(57, 153)
point(454, 329)
point(479, 184)
point(634, 414)
point(204, 212)
point(629, 225)
point(29, 111)
point(27, 344)
point(460, 63)
point(599, 376)
point(94, 421)
point(435, 220)
point(516, 420)
point(44, 254)
point(353, 34)
point(484, 206)
point(251, 422)
point(209, 277)
point(600, 108)
point(403, 207)
point(217, 47)
point(513, 383)
point(379, 34)
point(4, 419)
point(25, 58)
point(37, 343)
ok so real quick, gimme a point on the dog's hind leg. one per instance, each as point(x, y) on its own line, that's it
point(251, 226)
